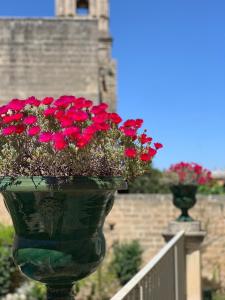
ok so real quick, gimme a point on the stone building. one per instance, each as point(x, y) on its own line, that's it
point(66, 54)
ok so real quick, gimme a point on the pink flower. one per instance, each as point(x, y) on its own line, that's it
point(45, 137)
point(9, 130)
point(34, 130)
point(30, 120)
point(130, 152)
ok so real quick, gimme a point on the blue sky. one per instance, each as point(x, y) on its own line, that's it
point(171, 71)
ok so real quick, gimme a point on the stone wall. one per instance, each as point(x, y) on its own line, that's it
point(48, 57)
point(145, 217)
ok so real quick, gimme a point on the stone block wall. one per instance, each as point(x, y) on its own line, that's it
point(145, 217)
point(50, 57)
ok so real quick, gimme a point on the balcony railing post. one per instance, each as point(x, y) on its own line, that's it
point(192, 260)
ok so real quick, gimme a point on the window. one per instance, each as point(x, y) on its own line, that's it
point(82, 7)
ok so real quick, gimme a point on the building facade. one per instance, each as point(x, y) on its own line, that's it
point(69, 54)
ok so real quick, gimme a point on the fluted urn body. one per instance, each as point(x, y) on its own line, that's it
point(59, 227)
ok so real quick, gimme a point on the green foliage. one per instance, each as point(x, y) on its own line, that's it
point(37, 292)
point(150, 183)
point(9, 275)
point(212, 189)
point(218, 297)
point(127, 260)
point(6, 235)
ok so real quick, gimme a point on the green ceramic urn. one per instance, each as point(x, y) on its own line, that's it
point(184, 198)
point(59, 227)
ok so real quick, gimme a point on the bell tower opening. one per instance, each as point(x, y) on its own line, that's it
point(82, 7)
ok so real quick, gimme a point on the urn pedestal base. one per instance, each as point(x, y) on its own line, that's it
point(60, 292)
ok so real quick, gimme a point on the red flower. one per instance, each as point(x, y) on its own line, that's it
point(16, 104)
point(30, 120)
point(145, 157)
point(33, 101)
point(130, 123)
point(145, 139)
point(71, 131)
point(115, 118)
point(45, 137)
point(80, 103)
point(20, 129)
point(47, 101)
point(34, 130)
point(130, 132)
point(139, 123)
point(83, 140)
point(88, 103)
point(12, 118)
point(158, 146)
point(66, 122)
point(101, 118)
point(152, 152)
point(60, 144)
point(202, 181)
point(99, 108)
point(64, 101)
point(130, 152)
point(49, 111)
point(80, 116)
point(3, 109)
point(9, 130)
point(90, 130)
point(59, 114)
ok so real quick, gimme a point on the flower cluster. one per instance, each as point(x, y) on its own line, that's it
point(190, 173)
point(71, 136)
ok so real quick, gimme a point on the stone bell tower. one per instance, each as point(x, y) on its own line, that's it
point(66, 54)
point(95, 10)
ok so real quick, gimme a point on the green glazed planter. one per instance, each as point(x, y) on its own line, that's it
point(184, 198)
point(58, 223)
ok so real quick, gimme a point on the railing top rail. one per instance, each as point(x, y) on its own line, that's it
point(142, 273)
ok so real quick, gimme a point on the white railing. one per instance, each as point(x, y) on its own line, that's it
point(163, 278)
